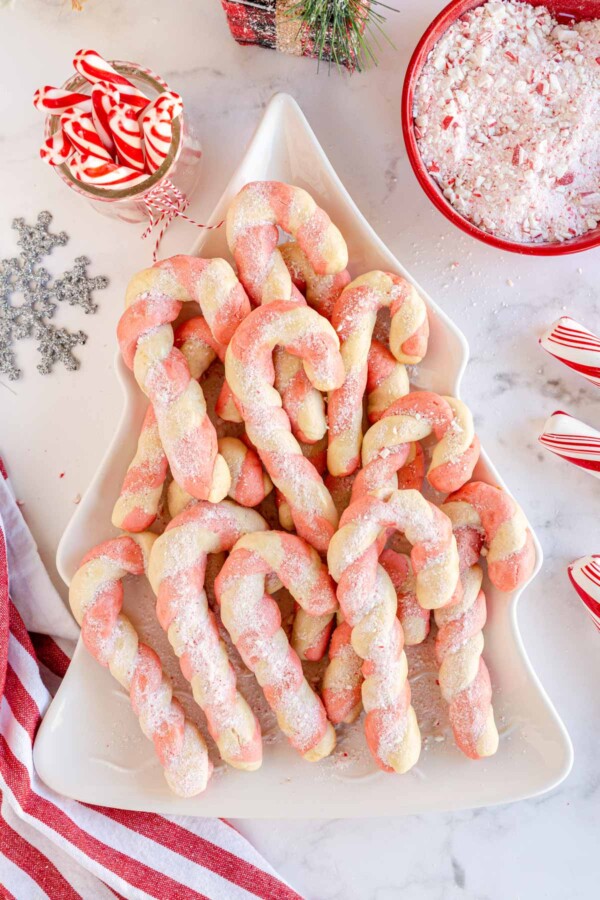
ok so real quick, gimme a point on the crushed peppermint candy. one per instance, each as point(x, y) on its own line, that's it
point(507, 121)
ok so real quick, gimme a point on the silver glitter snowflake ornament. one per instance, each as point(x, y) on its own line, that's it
point(27, 295)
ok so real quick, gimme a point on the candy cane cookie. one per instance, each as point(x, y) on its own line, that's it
point(387, 380)
point(485, 516)
point(253, 621)
point(200, 348)
point(249, 373)
point(249, 486)
point(96, 599)
point(153, 301)
point(354, 317)
point(463, 675)
point(368, 601)
point(176, 573)
point(252, 235)
point(321, 291)
point(386, 445)
point(139, 500)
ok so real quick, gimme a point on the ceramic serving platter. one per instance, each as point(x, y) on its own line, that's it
point(90, 746)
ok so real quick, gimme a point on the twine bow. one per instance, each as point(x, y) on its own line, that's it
point(164, 203)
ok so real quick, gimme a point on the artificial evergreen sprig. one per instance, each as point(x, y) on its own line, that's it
point(343, 29)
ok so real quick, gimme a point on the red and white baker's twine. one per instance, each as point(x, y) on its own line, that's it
point(116, 138)
point(164, 203)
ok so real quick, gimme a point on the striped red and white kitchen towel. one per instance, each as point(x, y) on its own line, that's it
point(54, 847)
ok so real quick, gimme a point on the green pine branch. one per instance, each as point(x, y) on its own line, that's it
point(344, 29)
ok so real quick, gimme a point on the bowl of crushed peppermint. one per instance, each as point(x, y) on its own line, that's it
point(501, 120)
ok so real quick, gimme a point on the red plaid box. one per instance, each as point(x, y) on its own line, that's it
point(269, 24)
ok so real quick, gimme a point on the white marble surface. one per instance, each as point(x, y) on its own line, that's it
point(544, 848)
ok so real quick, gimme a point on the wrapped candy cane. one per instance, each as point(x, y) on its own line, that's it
point(575, 346)
point(127, 136)
point(572, 440)
point(79, 129)
point(157, 128)
point(92, 170)
point(57, 149)
point(94, 68)
point(56, 101)
point(104, 97)
point(585, 578)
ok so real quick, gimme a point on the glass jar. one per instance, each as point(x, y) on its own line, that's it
point(180, 170)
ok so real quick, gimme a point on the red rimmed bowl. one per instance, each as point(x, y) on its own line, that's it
point(564, 10)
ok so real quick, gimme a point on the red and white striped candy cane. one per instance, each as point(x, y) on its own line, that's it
point(57, 149)
point(56, 101)
point(168, 102)
point(153, 301)
point(104, 97)
point(127, 136)
point(573, 440)
point(96, 599)
point(102, 173)
point(176, 573)
point(585, 578)
point(79, 129)
point(94, 68)
point(253, 621)
point(354, 317)
point(157, 128)
point(575, 346)
point(249, 373)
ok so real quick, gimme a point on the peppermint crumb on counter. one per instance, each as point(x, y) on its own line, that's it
point(507, 120)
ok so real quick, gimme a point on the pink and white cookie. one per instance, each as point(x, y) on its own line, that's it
point(253, 621)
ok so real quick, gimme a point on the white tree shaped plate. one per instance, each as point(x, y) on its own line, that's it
point(90, 746)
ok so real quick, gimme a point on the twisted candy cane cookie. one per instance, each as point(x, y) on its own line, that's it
point(387, 380)
point(252, 235)
point(484, 516)
point(200, 348)
point(249, 372)
point(463, 676)
point(343, 678)
point(176, 573)
point(253, 621)
point(138, 502)
point(321, 291)
point(354, 318)
point(96, 599)
point(154, 300)
point(139, 499)
point(386, 445)
point(249, 486)
point(368, 601)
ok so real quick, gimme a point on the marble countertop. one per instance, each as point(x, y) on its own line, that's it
point(543, 848)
